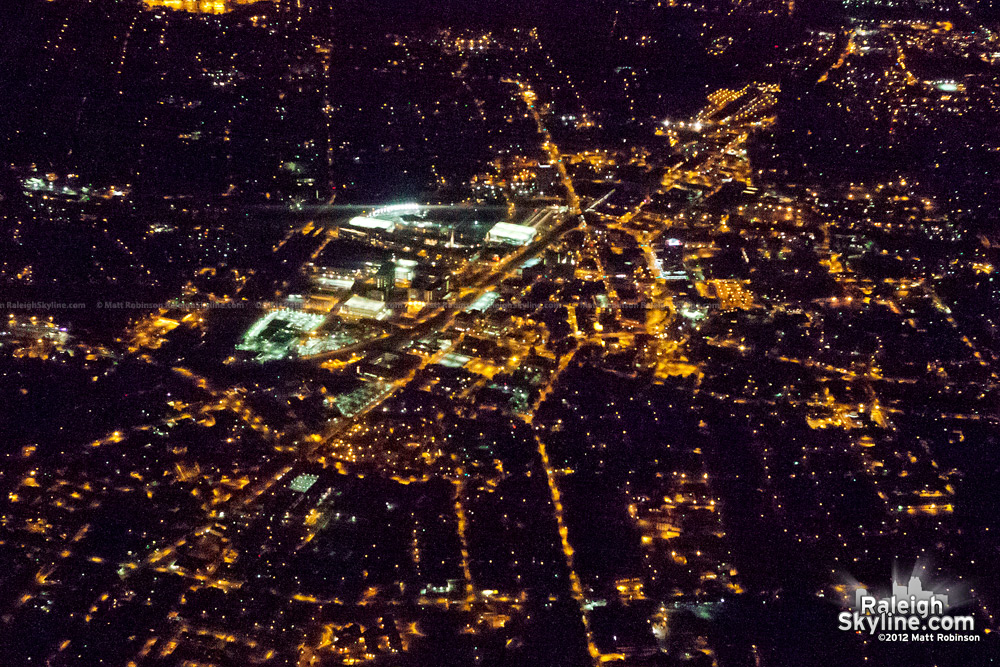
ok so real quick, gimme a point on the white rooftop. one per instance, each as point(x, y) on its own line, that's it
point(360, 306)
point(372, 223)
point(507, 232)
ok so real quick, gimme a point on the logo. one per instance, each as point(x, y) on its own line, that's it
point(908, 613)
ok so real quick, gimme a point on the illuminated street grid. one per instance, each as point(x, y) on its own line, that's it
point(452, 368)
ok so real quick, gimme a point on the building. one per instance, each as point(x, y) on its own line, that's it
point(363, 308)
point(365, 222)
point(505, 232)
point(385, 279)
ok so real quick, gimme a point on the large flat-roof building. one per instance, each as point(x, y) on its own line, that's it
point(365, 222)
point(365, 308)
point(505, 232)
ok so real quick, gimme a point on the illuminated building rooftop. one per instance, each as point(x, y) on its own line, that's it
point(362, 307)
point(505, 232)
point(372, 223)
